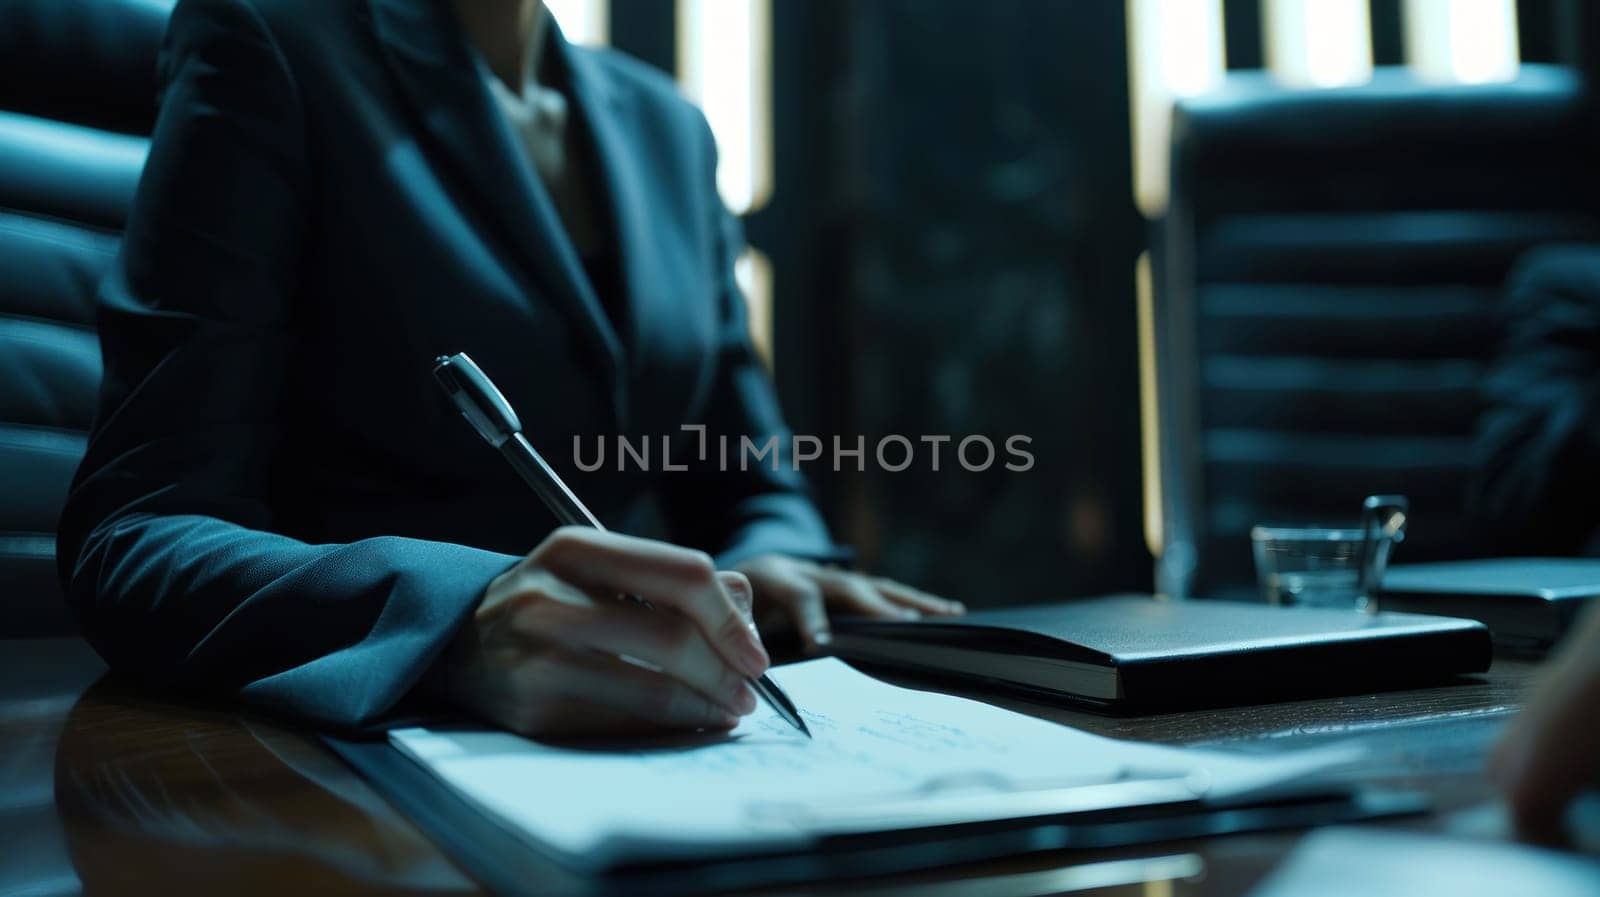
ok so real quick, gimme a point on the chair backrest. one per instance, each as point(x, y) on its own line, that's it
point(1326, 284)
point(77, 94)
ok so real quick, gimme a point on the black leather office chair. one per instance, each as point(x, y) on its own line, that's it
point(1326, 281)
point(77, 96)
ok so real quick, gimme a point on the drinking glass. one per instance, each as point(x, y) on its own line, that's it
point(1313, 566)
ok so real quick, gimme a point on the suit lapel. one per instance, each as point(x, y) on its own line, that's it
point(443, 80)
point(618, 181)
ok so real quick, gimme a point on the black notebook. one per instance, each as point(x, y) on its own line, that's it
point(1134, 652)
point(1527, 603)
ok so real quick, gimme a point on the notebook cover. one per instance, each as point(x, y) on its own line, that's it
point(1182, 654)
point(1540, 579)
point(1528, 603)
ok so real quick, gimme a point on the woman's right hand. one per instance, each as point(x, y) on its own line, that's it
point(544, 653)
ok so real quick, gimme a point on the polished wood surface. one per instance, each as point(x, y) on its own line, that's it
point(106, 790)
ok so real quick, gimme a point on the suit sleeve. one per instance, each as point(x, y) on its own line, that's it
point(744, 510)
point(166, 547)
point(1538, 448)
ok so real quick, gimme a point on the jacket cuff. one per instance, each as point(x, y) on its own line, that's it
point(434, 589)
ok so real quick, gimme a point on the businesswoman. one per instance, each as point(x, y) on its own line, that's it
point(278, 503)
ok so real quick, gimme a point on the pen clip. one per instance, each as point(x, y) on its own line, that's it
point(477, 398)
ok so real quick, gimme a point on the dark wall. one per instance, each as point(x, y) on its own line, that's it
point(954, 240)
point(955, 245)
point(954, 237)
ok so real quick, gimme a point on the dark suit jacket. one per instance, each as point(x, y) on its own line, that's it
point(1537, 484)
point(277, 500)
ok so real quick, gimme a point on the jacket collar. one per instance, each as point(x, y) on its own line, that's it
point(440, 75)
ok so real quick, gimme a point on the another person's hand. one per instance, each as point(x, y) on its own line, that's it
point(545, 652)
point(800, 594)
point(1551, 752)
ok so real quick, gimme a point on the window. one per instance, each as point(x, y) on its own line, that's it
point(1470, 41)
point(584, 22)
point(1174, 50)
point(1318, 43)
point(725, 65)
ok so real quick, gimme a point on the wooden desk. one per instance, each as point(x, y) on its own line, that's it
point(104, 790)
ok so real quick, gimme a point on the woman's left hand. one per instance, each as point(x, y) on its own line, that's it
point(801, 593)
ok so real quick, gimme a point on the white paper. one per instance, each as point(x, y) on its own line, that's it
point(873, 742)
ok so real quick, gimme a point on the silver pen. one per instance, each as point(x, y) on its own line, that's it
point(486, 408)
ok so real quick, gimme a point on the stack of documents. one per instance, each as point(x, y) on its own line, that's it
point(883, 758)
